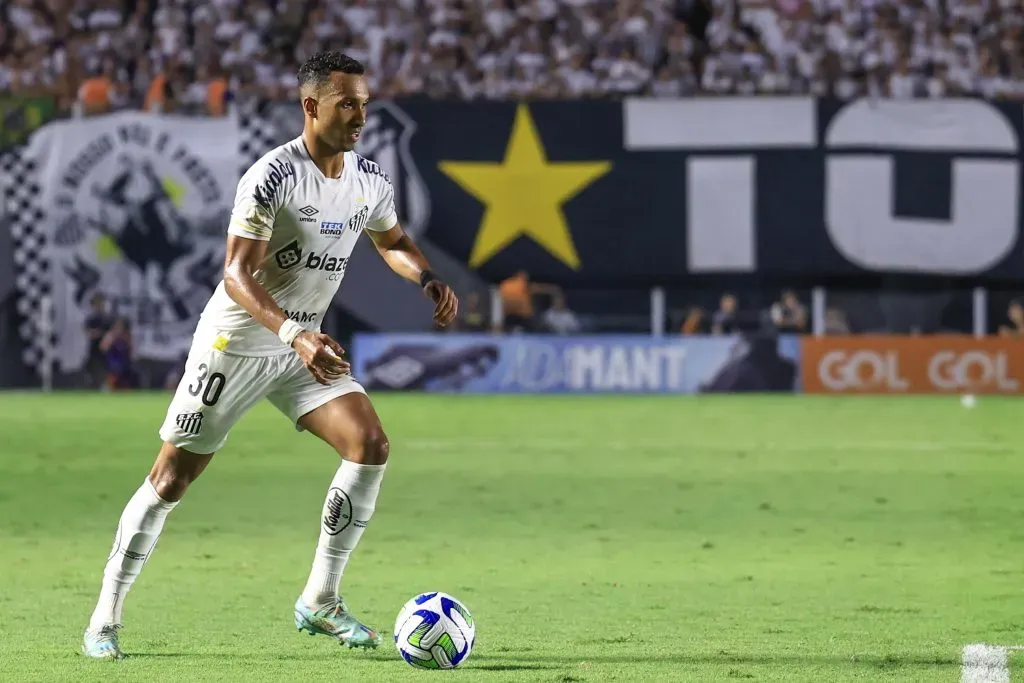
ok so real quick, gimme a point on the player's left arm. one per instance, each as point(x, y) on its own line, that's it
point(402, 254)
point(405, 258)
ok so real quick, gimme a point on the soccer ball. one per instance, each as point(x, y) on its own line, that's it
point(434, 631)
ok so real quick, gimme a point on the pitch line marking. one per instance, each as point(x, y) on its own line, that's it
point(987, 663)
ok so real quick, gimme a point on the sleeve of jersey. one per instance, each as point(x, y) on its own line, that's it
point(384, 216)
point(257, 201)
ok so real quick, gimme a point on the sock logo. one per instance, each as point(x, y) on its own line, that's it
point(337, 512)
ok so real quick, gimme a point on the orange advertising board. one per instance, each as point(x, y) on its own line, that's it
point(937, 364)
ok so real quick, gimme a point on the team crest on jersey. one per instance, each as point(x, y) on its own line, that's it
point(386, 140)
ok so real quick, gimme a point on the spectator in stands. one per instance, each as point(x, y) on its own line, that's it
point(695, 322)
point(835, 322)
point(118, 353)
point(517, 304)
point(472, 317)
point(1015, 317)
point(788, 314)
point(112, 51)
point(559, 319)
point(97, 324)
point(724, 320)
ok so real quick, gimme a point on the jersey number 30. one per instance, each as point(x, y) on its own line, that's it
point(213, 387)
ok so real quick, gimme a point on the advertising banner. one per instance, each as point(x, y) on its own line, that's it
point(939, 364)
point(483, 363)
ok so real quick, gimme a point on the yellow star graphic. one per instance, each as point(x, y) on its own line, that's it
point(524, 194)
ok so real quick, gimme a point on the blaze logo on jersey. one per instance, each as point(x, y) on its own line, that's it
point(289, 255)
point(330, 264)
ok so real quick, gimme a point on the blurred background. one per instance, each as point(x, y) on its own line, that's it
point(627, 195)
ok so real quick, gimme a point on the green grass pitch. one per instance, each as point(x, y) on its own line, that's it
point(789, 538)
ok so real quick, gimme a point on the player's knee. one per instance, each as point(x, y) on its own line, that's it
point(373, 449)
point(170, 484)
point(174, 470)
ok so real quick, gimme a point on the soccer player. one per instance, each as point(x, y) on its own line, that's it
point(298, 213)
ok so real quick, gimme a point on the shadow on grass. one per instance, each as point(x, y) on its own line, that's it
point(889, 661)
point(540, 662)
point(510, 667)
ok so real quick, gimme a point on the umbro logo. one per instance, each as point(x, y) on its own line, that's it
point(308, 212)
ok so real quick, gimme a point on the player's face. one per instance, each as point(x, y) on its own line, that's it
point(341, 110)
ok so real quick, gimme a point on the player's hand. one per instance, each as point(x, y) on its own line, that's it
point(321, 355)
point(446, 303)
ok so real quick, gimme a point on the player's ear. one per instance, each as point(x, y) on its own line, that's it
point(309, 106)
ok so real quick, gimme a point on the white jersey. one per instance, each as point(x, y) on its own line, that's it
point(312, 223)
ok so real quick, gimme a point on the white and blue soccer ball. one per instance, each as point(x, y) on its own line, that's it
point(435, 631)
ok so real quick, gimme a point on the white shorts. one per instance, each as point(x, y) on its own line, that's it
point(217, 389)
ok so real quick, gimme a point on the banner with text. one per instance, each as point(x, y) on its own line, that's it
point(134, 208)
point(792, 188)
point(585, 364)
point(937, 364)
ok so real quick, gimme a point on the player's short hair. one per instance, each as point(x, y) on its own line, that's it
point(318, 68)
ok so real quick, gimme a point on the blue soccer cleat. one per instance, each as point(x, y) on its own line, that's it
point(335, 621)
point(101, 643)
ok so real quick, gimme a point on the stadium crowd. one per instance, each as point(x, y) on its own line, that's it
point(200, 54)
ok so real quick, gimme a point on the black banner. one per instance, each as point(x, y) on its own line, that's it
point(602, 194)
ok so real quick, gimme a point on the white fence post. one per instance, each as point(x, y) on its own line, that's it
point(658, 314)
point(818, 311)
point(45, 330)
point(980, 312)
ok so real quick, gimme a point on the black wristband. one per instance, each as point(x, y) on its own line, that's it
point(426, 277)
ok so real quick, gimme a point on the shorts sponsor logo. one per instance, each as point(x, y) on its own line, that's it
point(337, 512)
point(892, 364)
point(190, 423)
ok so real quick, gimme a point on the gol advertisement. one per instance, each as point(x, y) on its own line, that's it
point(912, 365)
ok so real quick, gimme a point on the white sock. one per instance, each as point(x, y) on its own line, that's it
point(347, 510)
point(137, 533)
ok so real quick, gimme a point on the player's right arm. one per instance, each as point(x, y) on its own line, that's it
point(252, 224)
point(243, 259)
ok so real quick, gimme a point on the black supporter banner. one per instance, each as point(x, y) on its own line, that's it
point(605, 194)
